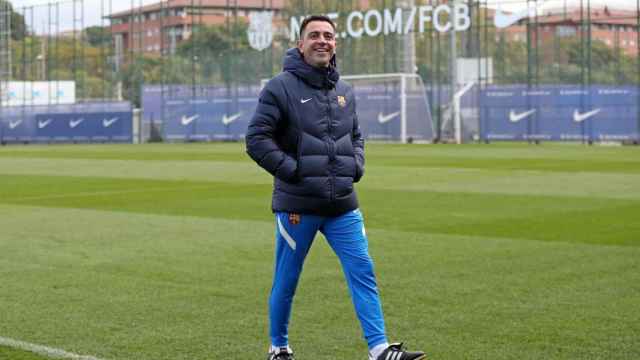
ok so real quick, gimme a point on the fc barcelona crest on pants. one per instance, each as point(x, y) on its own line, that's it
point(294, 219)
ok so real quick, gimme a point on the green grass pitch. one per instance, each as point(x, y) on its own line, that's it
point(152, 252)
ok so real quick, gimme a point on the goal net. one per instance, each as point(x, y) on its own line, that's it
point(391, 107)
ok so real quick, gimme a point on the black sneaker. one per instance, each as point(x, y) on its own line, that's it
point(283, 353)
point(395, 352)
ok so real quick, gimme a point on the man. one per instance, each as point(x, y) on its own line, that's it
point(305, 133)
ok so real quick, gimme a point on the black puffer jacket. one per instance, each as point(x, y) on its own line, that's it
point(305, 133)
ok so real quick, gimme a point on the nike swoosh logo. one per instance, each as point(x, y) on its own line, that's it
point(502, 20)
point(74, 123)
point(382, 119)
point(305, 100)
point(577, 117)
point(188, 120)
point(44, 124)
point(226, 120)
point(14, 124)
point(515, 117)
point(108, 122)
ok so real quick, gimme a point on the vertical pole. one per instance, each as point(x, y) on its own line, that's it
point(193, 49)
point(130, 42)
point(270, 63)
point(589, 89)
point(638, 71)
point(479, 56)
point(85, 92)
point(453, 69)
point(536, 45)
point(140, 57)
point(33, 66)
point(403, 109)
point(56, 50)
point(163, 66)
point(583, 64)
point(529, 66)
point(75, 49)
point(431, 74)
point(439, 84)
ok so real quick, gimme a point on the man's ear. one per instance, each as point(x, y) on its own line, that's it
point(300, 45)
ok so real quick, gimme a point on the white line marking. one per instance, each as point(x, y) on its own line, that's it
point(44, 350)
point(285, 235)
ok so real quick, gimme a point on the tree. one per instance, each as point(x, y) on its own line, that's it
point(217, 53)
point(18, 25)
point(98, 36)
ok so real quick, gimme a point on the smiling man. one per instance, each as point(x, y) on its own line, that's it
point(305, 133)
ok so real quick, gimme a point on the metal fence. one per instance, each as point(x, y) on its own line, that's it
point(194, 48)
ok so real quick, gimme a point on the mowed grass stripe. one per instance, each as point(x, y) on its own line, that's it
point(552, 218)
point(580, 184)
point(144, 152)
point(575, 184)
point(139, 286)
point(550, 157)
point(237, 172)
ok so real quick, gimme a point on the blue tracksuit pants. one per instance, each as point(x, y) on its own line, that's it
point(347, 238)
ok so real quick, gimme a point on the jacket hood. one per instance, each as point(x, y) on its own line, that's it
point(316, 77)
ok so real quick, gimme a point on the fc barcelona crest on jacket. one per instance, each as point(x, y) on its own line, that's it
point(342, 101)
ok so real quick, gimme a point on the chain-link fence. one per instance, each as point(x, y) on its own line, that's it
point(174, 59)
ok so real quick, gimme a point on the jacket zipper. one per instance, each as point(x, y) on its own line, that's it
point(332, 178)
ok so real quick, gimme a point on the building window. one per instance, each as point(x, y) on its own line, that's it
point(565, 31)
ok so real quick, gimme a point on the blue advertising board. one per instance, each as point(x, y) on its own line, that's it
point(208, 119)
point(97, 122)
point(225, 115)
point(564, 113)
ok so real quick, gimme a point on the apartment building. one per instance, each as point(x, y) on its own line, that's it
point(158, 28)
point(616, 28)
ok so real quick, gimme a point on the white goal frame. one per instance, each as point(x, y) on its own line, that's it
point(403, 77)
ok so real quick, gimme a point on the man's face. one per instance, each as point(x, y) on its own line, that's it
point(318, 43)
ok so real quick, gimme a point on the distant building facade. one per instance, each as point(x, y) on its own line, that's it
point(615, 28)
point(159, 28)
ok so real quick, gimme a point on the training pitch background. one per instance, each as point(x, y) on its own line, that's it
point(165, 251)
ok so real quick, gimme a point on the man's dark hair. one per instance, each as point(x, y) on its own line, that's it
point(311, 18)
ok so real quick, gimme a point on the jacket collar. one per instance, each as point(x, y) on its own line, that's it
point(316, 77)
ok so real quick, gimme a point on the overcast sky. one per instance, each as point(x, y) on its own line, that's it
point(93, 12)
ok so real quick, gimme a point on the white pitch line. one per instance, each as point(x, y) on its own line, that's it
point(44, 350)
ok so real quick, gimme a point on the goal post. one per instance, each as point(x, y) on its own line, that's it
point(381, 96)
point(391, 107)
